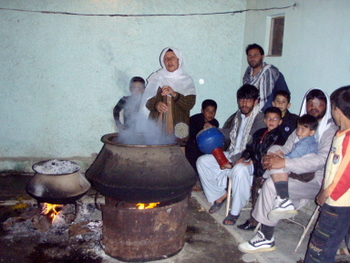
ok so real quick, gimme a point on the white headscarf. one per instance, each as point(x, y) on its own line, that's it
point(326, 121)
point(178, 80)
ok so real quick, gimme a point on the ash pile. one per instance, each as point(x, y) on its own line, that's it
point(72, 233)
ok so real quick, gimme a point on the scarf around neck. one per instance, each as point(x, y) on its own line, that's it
point(264, 81)
point(246, 131)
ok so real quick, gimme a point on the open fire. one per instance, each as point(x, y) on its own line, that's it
point(51, 210)
point(147, 206)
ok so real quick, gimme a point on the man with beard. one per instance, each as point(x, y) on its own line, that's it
point(238, 129)
point(265, 77)
point(305, 173)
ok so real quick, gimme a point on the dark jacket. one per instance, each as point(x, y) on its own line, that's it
point(289, 124)
point(130, 106)
point(196, 125)
point(118, 108)
point(280, 84)
point(259, 145)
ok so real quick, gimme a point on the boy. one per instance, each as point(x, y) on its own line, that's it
point(334, 199)
point(307, 125)
point(261, 141)
point(281, 100)
point(306, 129)
point(198, 122)
point(130, 104)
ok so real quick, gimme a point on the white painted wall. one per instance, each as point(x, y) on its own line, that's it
point(316, 51)
point(61, 75)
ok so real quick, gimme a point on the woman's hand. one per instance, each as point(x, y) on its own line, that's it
point(166, 90)
point(161, 107)
point(273, 161)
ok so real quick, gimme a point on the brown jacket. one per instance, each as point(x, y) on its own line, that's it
point(181, 106)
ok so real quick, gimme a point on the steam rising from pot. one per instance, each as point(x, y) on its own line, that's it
point(140, 130)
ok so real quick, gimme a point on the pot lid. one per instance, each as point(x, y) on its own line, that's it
point(55, 166)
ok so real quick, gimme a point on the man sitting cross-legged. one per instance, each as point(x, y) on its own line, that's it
point(239, 129)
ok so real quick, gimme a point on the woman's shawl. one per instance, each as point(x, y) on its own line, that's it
point(178, 80)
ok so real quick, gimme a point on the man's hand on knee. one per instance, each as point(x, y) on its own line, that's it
point(226, 166)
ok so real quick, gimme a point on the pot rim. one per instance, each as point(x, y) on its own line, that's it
point(108, 139)
point(34, 167)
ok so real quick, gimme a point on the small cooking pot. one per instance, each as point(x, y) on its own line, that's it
point(60, 186)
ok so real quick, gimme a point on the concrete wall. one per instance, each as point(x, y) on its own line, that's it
point(61, 75)
point(316, 48)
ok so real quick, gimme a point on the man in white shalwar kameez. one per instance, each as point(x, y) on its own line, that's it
point(239, 129)
point(317, 104)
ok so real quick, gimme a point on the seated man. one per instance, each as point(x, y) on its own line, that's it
point(246, 121)
point(316, 103)
point(262, 140)
point(306, 144)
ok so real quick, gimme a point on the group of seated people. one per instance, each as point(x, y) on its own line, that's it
point(289, 168)
point(268, 147)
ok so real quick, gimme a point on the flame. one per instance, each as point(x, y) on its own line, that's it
point(147, 206)
point(51, 209)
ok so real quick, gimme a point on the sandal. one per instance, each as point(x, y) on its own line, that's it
point(215, 207)
point(343, 251)
point(231, 218)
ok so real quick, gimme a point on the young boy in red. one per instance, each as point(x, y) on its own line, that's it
point(334, 199)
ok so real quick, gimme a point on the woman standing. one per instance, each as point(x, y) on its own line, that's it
point(170, 83)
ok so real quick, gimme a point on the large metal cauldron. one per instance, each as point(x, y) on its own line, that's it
point(141, 173)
